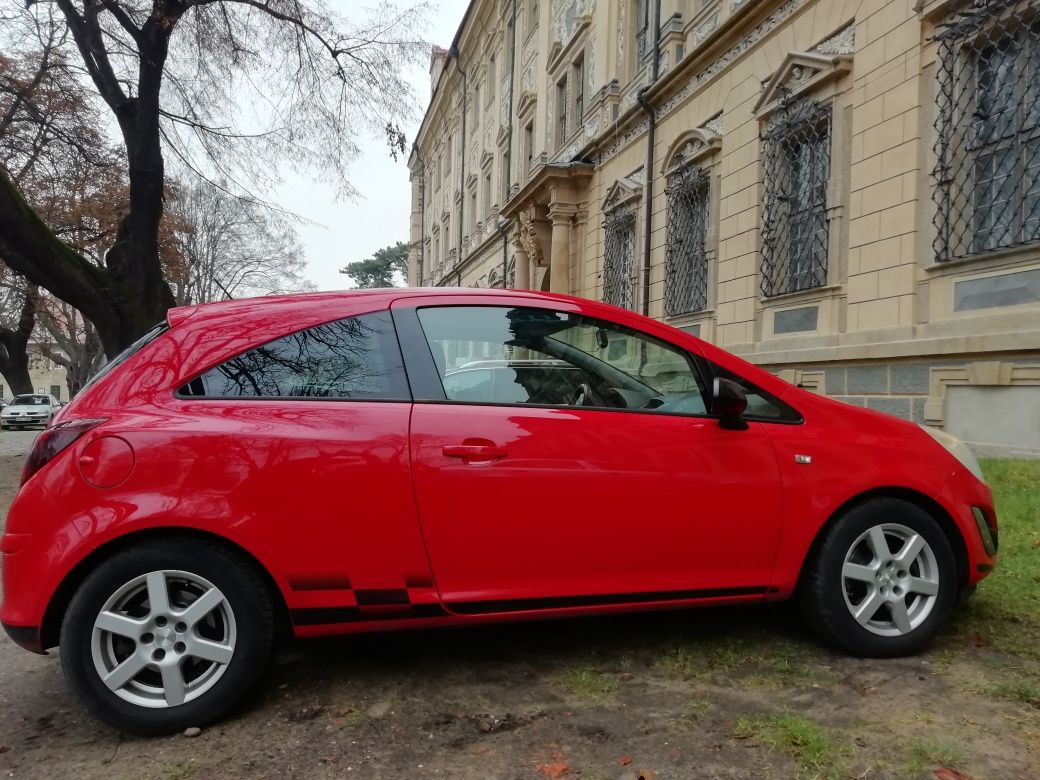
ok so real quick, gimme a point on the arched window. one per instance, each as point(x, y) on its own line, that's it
point(690, 232)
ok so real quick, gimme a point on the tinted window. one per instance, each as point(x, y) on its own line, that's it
point(536, 356)
point(353, 358)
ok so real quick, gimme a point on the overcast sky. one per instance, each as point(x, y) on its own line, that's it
point(346, 231)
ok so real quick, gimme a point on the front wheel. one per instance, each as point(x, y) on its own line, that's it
point(163, 636)
point(883, 580)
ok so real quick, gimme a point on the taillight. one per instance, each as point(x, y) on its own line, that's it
point(52, 441)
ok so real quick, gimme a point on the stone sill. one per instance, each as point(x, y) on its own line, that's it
point(958, 345)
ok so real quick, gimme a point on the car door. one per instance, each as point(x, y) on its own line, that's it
point(625, 491)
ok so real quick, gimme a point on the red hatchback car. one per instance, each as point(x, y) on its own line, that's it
point(327, 463)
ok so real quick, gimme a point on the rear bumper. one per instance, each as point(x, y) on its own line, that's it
point(26, 636)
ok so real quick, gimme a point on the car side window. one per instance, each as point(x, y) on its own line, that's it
point(550, 358)
point(355, 358)
point(761, 405)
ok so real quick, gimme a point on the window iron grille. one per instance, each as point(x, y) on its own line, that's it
point(987, 148)
point(618, 256)
point(686, 260)
point(796, 150)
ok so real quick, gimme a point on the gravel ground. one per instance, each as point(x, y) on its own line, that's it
point(728, 693)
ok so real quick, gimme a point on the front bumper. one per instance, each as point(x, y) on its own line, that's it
point(970, 503)
point(26, 636)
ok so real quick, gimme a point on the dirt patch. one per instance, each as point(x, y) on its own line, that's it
point(726, 693)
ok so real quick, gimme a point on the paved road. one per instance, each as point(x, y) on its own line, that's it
point(17, 443)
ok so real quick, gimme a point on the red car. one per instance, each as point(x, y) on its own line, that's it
point(296, 464)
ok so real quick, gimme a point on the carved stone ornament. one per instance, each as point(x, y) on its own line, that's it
point(842, 42)
point(527, 236)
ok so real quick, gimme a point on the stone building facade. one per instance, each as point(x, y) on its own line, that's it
point(846, 192)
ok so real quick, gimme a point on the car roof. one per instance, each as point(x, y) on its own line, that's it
point(378, 295)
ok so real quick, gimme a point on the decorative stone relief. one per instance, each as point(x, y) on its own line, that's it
point(527, 236)
point(706, 28)
point(842, 42)
point(621, 32)
point(623, 140)
point(715, 124)
point(590, 62)
point(800, 75)
point(738, 49)
point(527, 81)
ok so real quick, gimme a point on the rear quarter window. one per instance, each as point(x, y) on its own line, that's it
point(355, 358)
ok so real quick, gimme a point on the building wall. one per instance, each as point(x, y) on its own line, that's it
point(890, 326)
point(46, 375)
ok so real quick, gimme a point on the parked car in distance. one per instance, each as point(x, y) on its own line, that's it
point(29, 409)
point(342, 462)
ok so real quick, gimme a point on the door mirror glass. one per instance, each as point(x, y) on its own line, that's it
point(728, 402)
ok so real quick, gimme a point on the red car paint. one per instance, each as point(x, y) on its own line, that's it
point(370, 515)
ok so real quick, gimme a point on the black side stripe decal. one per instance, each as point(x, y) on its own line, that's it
point(403, 611)
point(599, 599)
point(319, 616)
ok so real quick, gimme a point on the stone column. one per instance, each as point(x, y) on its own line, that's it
point(560, 250)
point(523, 268)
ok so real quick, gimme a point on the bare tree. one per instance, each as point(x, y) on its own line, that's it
point(232, 247)
point(227, 86)
point(76, 346)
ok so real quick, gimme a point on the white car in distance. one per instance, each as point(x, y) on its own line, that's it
point(30, 409)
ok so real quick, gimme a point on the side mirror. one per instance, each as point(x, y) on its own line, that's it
point(729, 402)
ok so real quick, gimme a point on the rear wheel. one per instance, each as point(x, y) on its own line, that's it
point(167, 635)
point(883, 581)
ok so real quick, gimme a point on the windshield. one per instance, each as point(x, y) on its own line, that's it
point(30, 400)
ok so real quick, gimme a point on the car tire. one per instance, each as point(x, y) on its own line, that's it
point(168, 687)
point(883, 580)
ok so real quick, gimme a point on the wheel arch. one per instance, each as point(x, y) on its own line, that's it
point(50, 628)
point(924, 502)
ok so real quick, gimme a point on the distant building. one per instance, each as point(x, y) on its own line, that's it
point(846, 192)
point(47, 376)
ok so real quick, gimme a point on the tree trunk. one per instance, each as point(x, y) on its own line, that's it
point(121, 300)
point(14, 367)
point(14, 355)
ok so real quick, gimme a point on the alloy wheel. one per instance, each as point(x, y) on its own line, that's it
point(890, 579)
point(164, 638)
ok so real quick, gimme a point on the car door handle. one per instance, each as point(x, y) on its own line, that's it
point(472, 452)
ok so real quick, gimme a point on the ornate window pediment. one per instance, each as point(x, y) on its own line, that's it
point(527, 102)
point(692, 146)
point(625, 191)
point(800, 72)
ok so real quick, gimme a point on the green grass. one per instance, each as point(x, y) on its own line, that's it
point(1004, 615)
point(798, 737)
point(1005, 611)
point(588, 684)
point(925, 753)
point(1016, 691)
point(759, 660)
point(180, 772)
